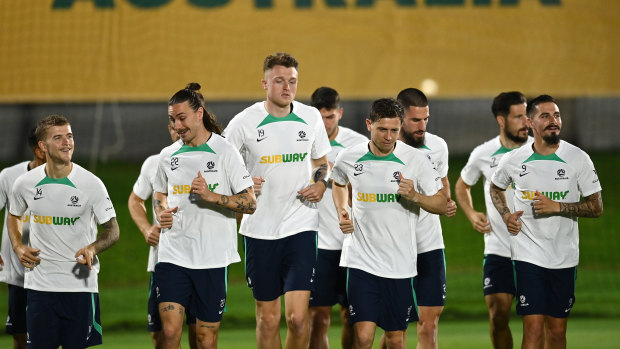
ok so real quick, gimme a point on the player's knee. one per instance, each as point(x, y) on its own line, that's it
point(499, 317)
point(555, 333)
point(206, 340)
point(268, 322)
point(171, 332)
point(320, 320)
point(297, 323)
point(363, 340)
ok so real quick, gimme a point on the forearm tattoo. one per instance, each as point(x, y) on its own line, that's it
point(242, 202)
point(591, 207)
point(320, 173)
point(108, 237)
point(158, 206)
point(499, 200)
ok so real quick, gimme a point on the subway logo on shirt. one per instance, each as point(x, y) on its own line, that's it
point(186, 189)
point(280, 158)
point(54, 220)
point(377, 197)
point(553, 195)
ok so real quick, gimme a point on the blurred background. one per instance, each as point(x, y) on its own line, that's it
point(111, 65)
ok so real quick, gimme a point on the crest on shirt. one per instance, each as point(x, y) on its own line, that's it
point(73, 201)
point(396, 177)
point(561, 174)
point(302, 136)
point(210, 167)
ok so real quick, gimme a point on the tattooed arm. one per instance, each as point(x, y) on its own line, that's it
point(591, 206)
point(314, 192)
point(498, 196)
point(242, 202)
point(108, 237)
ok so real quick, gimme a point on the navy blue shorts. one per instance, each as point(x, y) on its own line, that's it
point(542, 291)
point(154, 320)
point(430, 283)
point(274, 267)
point(16, 320)
point(499, 276)
point(389, 303)
point(201, 291)
point(330, 282)
point(67, 319)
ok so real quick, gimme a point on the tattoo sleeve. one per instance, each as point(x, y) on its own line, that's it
point(320, 173)
point(498, 196)
point(242, 202)
point(108, 236)
point(591, 207)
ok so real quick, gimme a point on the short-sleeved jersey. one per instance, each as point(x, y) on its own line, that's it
point(330, 235)
point(564, 176)
point(483, 161)
point(280, 150)
point(13, 271)
point(143, 188)
point(64, 214)
point(383, 242)
point(429, 234)
point(203, 235)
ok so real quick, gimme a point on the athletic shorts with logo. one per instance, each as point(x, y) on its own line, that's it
point(154, 320)
point(544, 291)
point(274, 267)
point(330, 282)
point(430, 283)
point(202, 291)
point(67, 319)
point(498, 275)
point(16, 319)
point(389, 303)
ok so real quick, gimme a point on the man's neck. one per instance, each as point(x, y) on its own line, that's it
point(334, 134)
point(58, 170)
point(34, 163)
point(543, 148)
point(507, 142)
point(277, 110)
point(377, 152)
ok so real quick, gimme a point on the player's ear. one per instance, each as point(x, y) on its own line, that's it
point(368, 124)
point(501, 121)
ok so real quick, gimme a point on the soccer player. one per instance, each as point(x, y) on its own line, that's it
point(142, 190)
point(330, 280)
point(200, 183)
point(430, 283)
point(11, 270)
point(282, 141)
point(65, 202)
point(549, 178)
point(391, 182)
point(498, 276)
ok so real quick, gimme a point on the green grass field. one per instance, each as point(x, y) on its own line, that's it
point(595, 318)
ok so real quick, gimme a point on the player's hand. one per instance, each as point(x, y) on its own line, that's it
point(480, 222)
point(258, 184)
point(152, 235)
point(346, 224)
point(200, 187)
point(451, 211)
point(313, 192)
point(85, 255)
point(543, 205)
point(513, 222)
point(406, 188)
point(165, 217)
point(27, 255)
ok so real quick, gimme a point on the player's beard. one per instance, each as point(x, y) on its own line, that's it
point(553, 138)
point(515, 136)
point(411, 140)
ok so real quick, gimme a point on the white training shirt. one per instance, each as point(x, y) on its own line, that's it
point(280, 150)
point(64, 214)
point(483, 161)
point(428, 230)
point(330, 235)
point(13, 271)
point(550, 242)
point(143, 188)
point(383, 242)
point(203, 235)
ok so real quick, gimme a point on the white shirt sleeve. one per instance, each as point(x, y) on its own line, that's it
point(143, 187)
point(339, 174)
point(428, 181)
point(239, 176)
point(101, 203)
point(234, 133)
point(443, 160)
point(321, 146)
point(471, 172)
point(160, 183)
point(4, 190)
point(587, 179)
point(502, 178)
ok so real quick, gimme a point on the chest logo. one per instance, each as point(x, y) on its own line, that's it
point(174, 163)
point(39, 194)
point(74, 201)
point(302, 136)
point(210, 167)
point(261, 135)
point(359, 168)
point(561, 175)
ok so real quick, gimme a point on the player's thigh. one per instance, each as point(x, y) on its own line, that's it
point(498, 275)
point(430, 283)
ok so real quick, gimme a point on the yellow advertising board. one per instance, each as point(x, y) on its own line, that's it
point(145, 50)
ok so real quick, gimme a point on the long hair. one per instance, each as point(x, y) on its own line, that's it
point(195, 99)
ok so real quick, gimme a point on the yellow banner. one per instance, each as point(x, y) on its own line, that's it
point(145, 50)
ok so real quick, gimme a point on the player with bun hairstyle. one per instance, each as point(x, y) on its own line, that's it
point(201, 183)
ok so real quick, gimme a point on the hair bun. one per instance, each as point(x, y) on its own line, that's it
point(194, 86)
